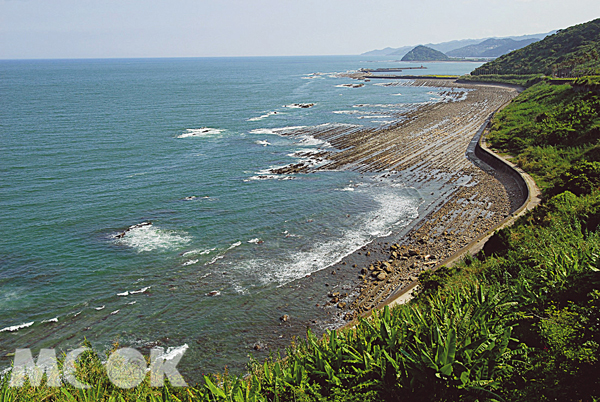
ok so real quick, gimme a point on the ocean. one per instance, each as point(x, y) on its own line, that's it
point(137, 205)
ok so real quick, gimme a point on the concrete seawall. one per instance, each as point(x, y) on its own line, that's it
point(478, 152)
point(528, 198)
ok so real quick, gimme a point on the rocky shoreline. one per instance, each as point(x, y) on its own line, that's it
point(425, 150)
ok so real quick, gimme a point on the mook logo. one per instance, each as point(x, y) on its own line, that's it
point(126, 368)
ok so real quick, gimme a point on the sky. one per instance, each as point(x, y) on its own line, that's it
point(40, 29)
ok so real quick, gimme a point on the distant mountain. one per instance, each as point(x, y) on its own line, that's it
point(388, 51)
point(385, 52)
point(424, 53)
point(446, 47)
point(573, 51)
point(491, 48)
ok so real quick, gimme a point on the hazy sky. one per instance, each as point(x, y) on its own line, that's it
point(193, 28)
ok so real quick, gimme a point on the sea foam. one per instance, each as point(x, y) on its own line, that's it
point(396, 209)
point(200, 132)
point(15, 328)
point(149, 238)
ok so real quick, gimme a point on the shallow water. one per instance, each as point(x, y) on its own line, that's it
point(92, 148)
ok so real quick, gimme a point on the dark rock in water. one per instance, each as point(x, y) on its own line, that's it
point(302, 105)
point(139, 225)
point(284, 318)
point(213, 293)
point(259, 346)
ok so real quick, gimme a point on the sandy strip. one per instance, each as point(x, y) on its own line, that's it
point(425, 150)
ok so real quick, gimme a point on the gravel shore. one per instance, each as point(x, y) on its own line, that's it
point(425, 150)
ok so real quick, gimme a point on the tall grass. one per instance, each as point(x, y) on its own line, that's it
point(519, 322)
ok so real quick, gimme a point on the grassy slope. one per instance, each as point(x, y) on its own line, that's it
point(549, 129)
point(571, 52)
point(549, 259)
point(522, 323)
point(576, 48)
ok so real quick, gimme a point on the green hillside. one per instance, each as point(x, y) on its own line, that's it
point(571, 52)
point(520, 321)
point(424, 53)
point(491, 48)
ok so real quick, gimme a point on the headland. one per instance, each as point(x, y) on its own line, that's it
point(426, 149)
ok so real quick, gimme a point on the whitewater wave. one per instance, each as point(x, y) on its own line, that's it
point(173, 352)
point(396, 209)
point(234, 245)
point(264, 116)
point(277, 131)
point(308, 141)
point(300, 105)
point(215, 259)
point(350, 86)
point(142, 290)
point(200, 132)
point(269, 177)
point(15, 328)
point(198, 252)
point(148, 237)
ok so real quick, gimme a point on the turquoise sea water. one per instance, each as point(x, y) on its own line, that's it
point(90, 148)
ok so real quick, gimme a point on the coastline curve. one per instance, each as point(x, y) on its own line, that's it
point(529, 197)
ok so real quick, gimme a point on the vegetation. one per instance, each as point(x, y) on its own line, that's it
point(424, 53)
point(512, 79)
point(553, 132)
point(518, 322)
point(571, 52)
point(521, 321)
point(492, 47)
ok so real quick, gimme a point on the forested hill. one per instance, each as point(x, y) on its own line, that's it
point(424, 53)
point(491, 48)
point(571, 52)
